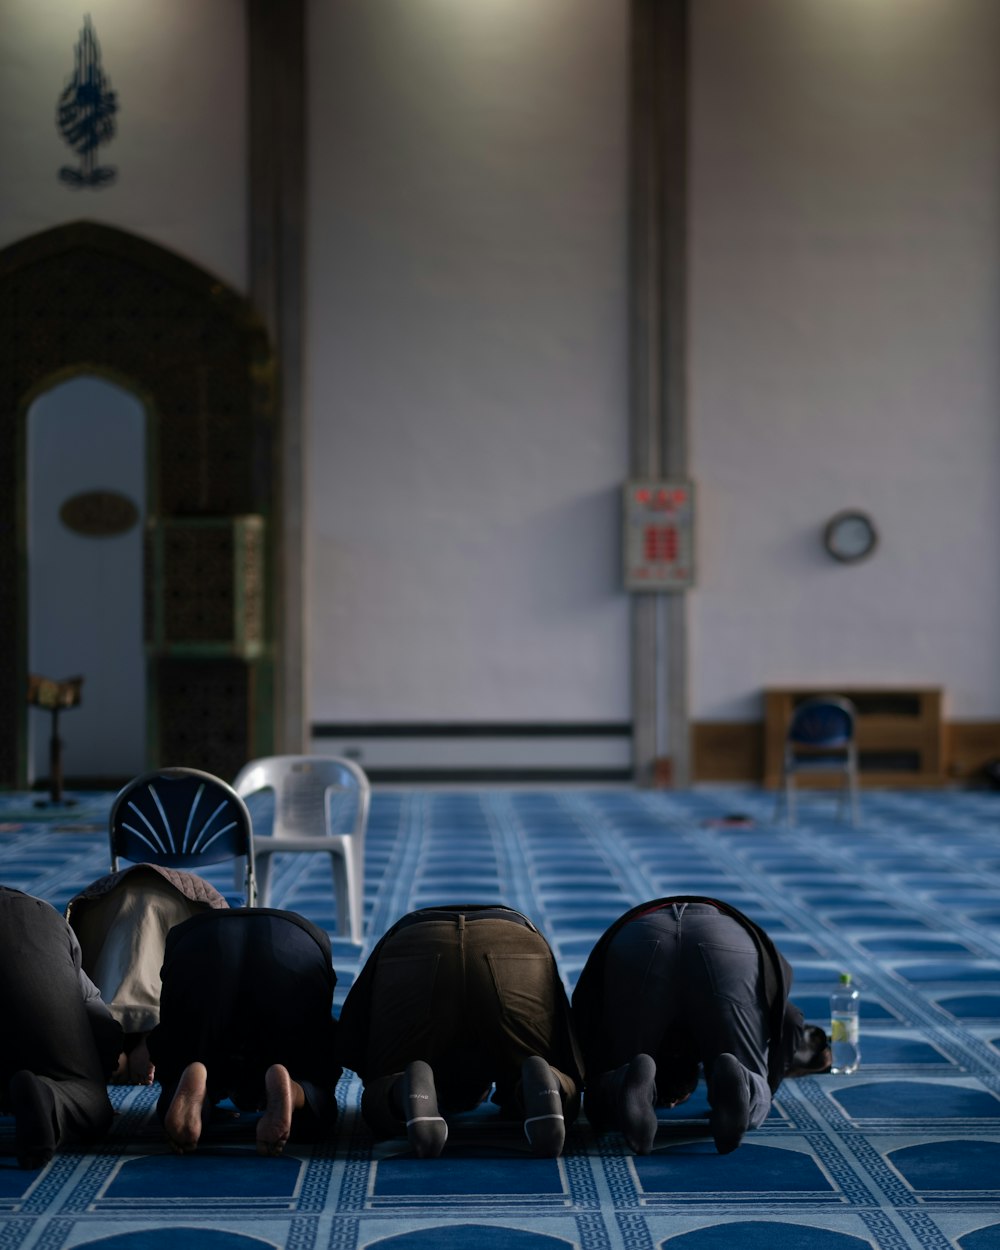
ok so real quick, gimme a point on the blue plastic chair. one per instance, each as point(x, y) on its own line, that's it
point(821, 738)
point(182, 818)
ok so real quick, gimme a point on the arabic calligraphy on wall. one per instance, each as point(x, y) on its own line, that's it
point(85, 114)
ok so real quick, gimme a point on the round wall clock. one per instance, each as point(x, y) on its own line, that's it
point(850, 536)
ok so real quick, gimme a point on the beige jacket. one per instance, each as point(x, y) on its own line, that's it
point(122, 921)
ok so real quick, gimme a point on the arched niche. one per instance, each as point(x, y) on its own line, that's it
point(86, 501)
point(90, 299)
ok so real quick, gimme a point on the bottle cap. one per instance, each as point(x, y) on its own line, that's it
point(845, 978)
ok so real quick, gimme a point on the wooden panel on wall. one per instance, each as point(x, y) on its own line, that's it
point(899, 732)
point(734, 751)
point(968, 746)
point(727, 751)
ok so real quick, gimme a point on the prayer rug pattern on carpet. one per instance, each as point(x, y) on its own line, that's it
point(904, 1153)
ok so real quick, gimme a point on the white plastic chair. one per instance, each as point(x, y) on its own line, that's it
point(310, 792)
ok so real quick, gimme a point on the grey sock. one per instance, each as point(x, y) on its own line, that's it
point(544, 1124)
point(426, 1129)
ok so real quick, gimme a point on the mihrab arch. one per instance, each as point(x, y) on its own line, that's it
point(85, 298)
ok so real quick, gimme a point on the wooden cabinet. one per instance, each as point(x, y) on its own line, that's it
point(899, 731)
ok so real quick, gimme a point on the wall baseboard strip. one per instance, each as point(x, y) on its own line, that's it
point(477, 751)
point(593, 752)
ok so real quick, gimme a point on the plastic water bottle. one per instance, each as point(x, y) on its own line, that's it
point(845, 1006)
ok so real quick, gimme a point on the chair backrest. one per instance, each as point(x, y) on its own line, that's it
point(824, 721)
point(314, 795)
point(180, 818)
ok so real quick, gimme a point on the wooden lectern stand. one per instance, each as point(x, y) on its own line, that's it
point(53, 696)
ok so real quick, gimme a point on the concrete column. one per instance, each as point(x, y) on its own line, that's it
point(659, 124)
point(277, 95)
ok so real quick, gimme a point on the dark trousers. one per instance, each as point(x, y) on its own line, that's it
point(46, 1028)
point(683, 984)
point(241, 991)
point(473, 998)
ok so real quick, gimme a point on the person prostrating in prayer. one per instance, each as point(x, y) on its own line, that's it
point(245, 1013)
point(455, 1002)
point(681, 985)
point(59, 1044)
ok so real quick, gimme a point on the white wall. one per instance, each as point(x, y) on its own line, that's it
point(85, 593)
point(845, 344)
point(467, 355)
point(466, 378)
point(179, 68)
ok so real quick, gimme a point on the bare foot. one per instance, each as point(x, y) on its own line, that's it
point(183, 1119)
point(140, 1067)
point(284, 1096)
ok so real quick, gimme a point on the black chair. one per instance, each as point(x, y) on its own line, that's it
point(821, 738)
point(182, 818)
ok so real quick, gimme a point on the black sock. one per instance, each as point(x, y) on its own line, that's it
point(729, 1098)
point(636, 1101)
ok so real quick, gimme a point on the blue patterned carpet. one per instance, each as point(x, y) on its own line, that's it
point(905, 1153)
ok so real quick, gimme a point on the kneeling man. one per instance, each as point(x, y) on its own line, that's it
point(245, 1013)
point(59, 1043)
point(679, 983)
point(452, 1002)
